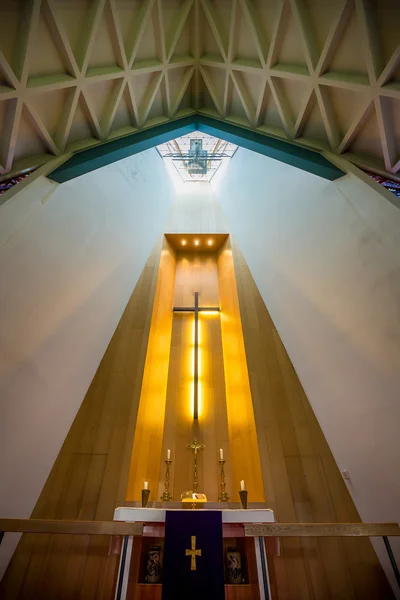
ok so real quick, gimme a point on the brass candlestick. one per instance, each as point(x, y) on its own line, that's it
point(223, 496)
point(166, 497)
point(145, 497)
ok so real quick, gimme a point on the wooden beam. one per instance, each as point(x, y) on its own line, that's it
point(321, 529)
point(70, 527)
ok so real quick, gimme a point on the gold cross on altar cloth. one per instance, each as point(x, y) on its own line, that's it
point(193, 553)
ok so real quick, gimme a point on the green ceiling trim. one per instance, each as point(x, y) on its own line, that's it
point(291, 154)
point(104, 154)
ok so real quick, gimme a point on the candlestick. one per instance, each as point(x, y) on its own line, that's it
point(243, 498)
point(242, 485)
point(166, 496)
point(145, 496)
point(221, 454)
point(223, 496)
point(146, 485)
point(168, 454)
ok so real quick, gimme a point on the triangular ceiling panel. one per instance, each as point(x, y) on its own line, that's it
point(347, 105)
point(269, 116)
point(214, 79)
point(101, 95)
point(245, 49)
point(251, 86)
point(209, 44)
point(103, 52)
point(51, 107)
point(295, 92)
point(7, 110)
point(13, 34)
point(392, 108)
point(265, 16)
point(75, 18)
point(157, 112)
point(177, 25)
point(33, 142)
point(395, 76)
point(141, 85)
point(130, 18)
point(123, 113)
point(289, 48)
point(387, 15)
point(321, 16)
point(180, 80)
point(5, 81)
point(49, 58)
point(186, 102)
point(80, 127)
point(147, 47)
point(349, 55)
point(237, 112)
point(314, 129)
point(206, 102)
point(219, 16)
point(368, 141)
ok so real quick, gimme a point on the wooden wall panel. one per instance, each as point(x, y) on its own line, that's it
point(196, 272)
point(302, 481)
point(89, 477)
point(245, 456)
point(146, 452)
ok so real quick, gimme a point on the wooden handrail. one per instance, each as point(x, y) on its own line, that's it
point(71, 527)
point(321, 529)
point(251, 530)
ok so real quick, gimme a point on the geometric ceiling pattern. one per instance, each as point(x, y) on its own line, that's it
point(318, 73)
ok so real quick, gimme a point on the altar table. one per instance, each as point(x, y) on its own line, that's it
point(131, 584)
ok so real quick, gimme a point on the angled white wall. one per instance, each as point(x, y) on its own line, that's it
point(326, 259)
point(70, 257)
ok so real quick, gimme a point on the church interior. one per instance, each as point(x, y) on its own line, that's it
point(199, 324)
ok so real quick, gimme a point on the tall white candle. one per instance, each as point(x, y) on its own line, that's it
point(146, 485)
point(221, 454)
point(242, 485)
point(168, 454)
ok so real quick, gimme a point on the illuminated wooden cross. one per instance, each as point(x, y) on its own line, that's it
point(193, 553)
point(196, 309)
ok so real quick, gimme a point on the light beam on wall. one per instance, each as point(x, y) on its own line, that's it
point(196, 309)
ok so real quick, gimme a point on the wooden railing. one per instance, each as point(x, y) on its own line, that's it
point(70, 527)
point(321, 529)
point(251, 530)
point(260, 530)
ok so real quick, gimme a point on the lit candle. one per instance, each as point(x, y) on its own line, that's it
point(146, 485)
point(221, 454)
point(168, 454)
point(242, 485)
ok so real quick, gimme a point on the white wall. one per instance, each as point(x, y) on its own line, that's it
point(326, 259)
point(70, 257)
point(195, 210)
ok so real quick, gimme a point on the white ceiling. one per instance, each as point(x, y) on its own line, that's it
point(320, 73)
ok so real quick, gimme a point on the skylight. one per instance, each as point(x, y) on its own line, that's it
point(197, 156)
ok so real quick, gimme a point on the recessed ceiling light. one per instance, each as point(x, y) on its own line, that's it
point(210, 242)
point(183, 242)
point(196, 242)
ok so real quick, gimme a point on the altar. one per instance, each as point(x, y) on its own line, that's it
point(249, 554)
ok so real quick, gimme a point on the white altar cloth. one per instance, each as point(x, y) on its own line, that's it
point(157, 515)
